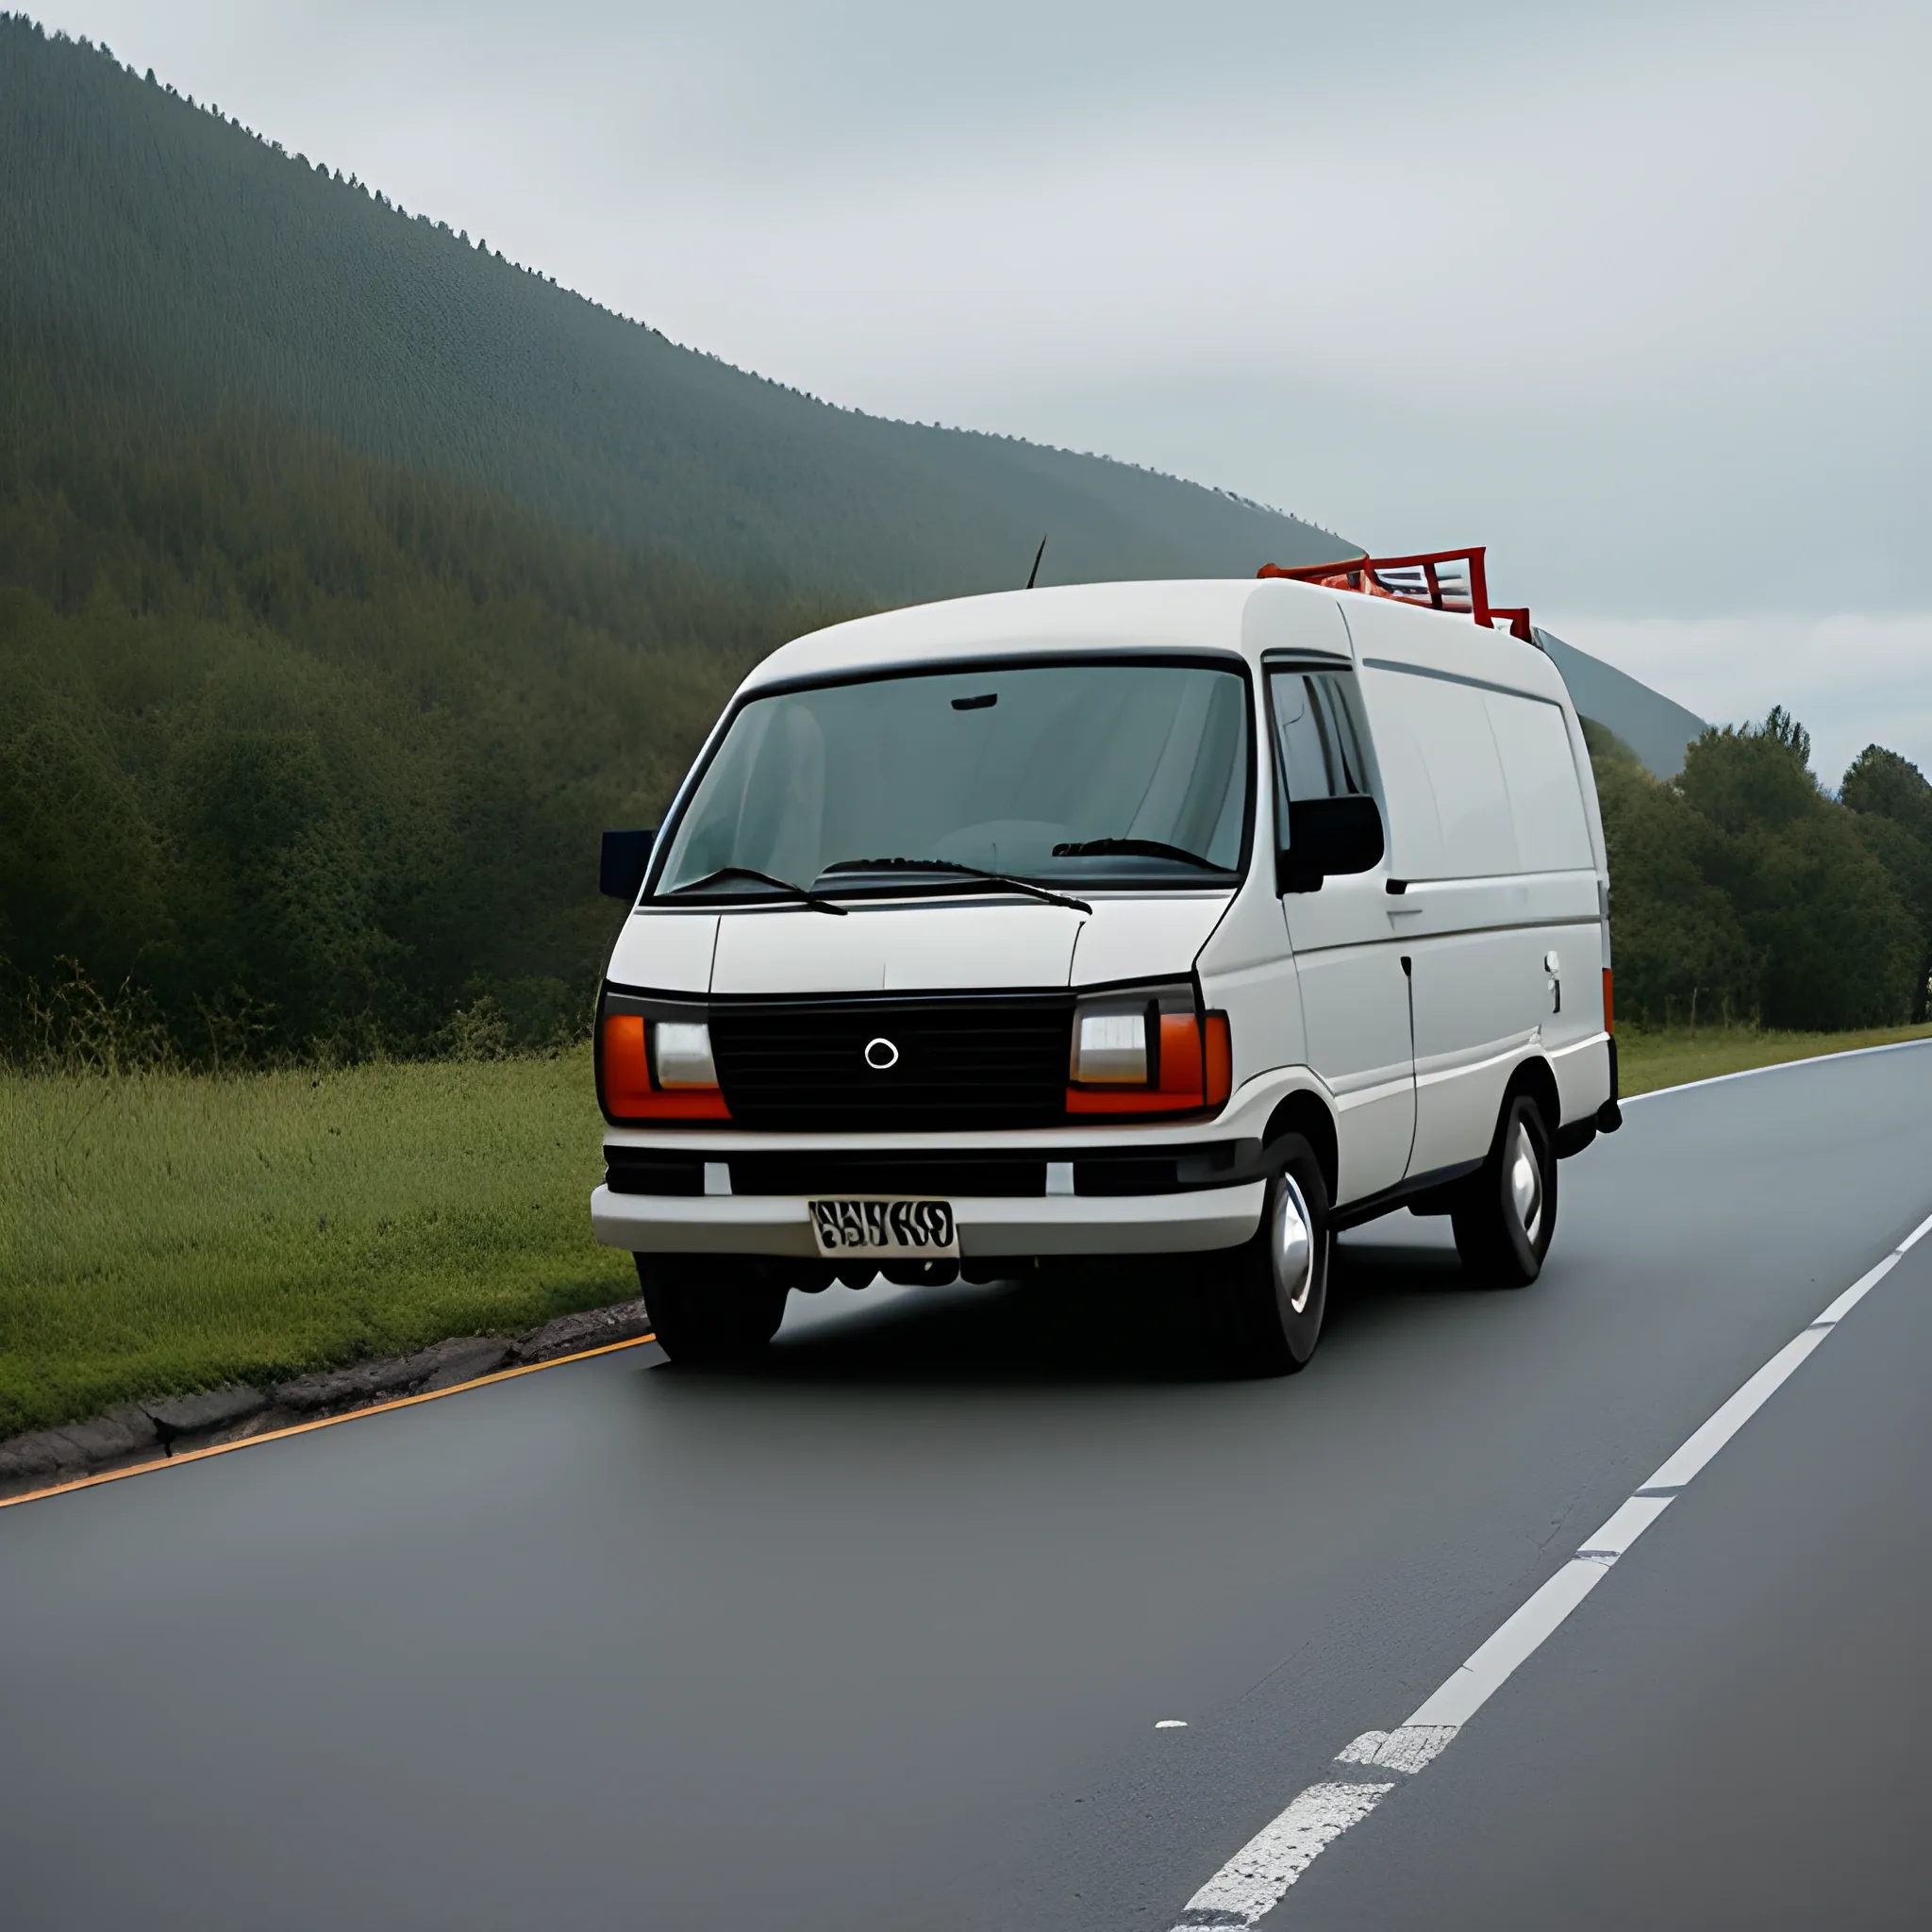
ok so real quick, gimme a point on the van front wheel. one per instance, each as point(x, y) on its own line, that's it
point(712, 1310)
point(1507, 1210)
point(1270, 1298)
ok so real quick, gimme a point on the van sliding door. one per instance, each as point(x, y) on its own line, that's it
point(1354, 992)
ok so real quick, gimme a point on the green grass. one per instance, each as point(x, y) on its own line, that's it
point(1668, 1056)
point(167, 1232)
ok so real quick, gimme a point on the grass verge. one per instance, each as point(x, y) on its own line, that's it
point(167, 1232)
point(1669, 1057)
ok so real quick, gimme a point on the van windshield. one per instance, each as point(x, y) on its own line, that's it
point(1080, 774)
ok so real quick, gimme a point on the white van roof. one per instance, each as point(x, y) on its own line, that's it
point(1238, 614)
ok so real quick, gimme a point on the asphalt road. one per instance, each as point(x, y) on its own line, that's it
point(880, 1637)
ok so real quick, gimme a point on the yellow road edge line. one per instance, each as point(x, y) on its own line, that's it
point(327, 1421)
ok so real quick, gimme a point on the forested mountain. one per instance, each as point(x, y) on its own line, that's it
point(300, 750)
point(148, 245)
point(351, 579)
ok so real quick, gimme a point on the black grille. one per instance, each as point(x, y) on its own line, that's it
point(982, 1063)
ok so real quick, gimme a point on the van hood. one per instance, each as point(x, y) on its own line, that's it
point(945, 946)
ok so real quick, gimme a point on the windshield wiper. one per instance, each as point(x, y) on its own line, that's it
point(816, 901)
point(971, 871)
point(1134, 848)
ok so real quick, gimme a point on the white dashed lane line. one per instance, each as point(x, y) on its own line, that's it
point(1257, 1879)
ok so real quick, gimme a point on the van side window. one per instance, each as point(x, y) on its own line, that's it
point(1319, 738)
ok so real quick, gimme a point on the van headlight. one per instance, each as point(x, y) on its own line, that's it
point(1114, 1046)
point(681, 1054)
point(1148, 1053)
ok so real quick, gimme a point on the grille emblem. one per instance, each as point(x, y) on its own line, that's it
point(881, 1054)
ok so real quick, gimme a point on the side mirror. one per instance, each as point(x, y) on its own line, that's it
point(626, 859)
point(1329, 836)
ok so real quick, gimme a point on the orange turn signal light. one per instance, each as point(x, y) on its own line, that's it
point(629, 1091)
point(1194, 1072)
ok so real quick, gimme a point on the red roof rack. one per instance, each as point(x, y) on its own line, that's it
point(1441, 579)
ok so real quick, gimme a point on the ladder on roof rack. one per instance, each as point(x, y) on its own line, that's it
point(1441, 579)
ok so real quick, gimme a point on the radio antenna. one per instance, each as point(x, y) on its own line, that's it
point(1033, 575)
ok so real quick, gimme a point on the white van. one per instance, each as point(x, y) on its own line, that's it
point(1202, 918)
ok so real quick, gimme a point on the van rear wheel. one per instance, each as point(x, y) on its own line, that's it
point(712, 1310)
point(1272, 1292)
point(1507, 1213)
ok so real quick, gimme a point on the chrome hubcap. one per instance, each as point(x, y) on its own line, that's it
point(1293, 1246)
point(1525, 1182)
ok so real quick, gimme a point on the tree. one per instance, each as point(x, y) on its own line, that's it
point(1745, 887)
point(1680, 947)
point(1838, 947)
point(1893, 807)
point(1752, 778)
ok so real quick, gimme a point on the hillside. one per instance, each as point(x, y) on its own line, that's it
point(146, 245)
point(351, 579)
point(301, 751)
point(157, 260)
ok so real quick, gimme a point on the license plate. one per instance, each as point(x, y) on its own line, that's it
point(885, 1227)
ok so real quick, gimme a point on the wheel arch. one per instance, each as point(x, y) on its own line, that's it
point(1306, 1115)
point(1536, 1078)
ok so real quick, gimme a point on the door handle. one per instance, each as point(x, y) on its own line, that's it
point(1402, 911)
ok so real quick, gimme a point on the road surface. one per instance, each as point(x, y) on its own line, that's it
point(881, 1636)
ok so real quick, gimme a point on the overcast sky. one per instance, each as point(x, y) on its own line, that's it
point(1635, 294)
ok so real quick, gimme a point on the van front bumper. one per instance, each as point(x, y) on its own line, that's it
point(989, 1226)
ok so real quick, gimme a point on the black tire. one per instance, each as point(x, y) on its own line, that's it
point(1271, 1294)
point(712, 1311)
point(1506, 1212)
